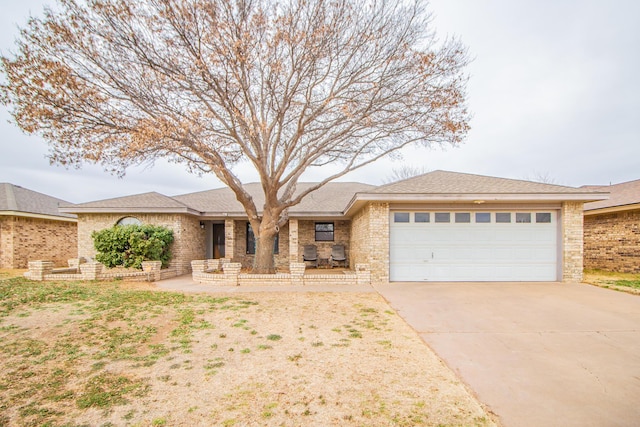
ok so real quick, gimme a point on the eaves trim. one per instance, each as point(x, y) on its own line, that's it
point(360, 198)
point(39, 216)
point(612, 209)
point(86, 210)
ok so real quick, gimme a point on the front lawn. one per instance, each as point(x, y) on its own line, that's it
point(105, 354)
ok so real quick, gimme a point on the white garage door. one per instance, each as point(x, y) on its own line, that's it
point(474, 246)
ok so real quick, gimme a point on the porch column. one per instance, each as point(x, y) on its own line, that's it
point(293, 241)
point(229, 238)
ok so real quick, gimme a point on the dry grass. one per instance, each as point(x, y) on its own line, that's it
point(7, 273)
point(101, 354)
point(626, 282)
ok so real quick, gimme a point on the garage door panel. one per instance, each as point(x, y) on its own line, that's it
point(474, 252)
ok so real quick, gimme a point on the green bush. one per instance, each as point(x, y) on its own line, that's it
point(129, 245)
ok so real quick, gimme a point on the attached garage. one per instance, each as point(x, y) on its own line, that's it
point(480, 245)
point(449, 226)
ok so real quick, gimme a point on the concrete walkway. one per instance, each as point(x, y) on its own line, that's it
point(538, 354)
point(186, 284)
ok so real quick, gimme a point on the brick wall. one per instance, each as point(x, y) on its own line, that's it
point(24, 239)
point(6, 242)
point(359, 237)
point(572, 241)
point(612, 241)
point(370, 240)
point(307, 236)
point(240, 254)
point(189, 239)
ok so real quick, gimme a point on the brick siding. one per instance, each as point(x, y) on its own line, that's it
point(281, 259)
point(612, 241)
point(24, 239)
point(370, 240)
point(188, 244)
point(307, 236)
point(572, 241)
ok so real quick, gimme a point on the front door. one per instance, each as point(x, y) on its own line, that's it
point(218, 241)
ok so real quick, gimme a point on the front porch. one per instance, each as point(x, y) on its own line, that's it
point(233, 239)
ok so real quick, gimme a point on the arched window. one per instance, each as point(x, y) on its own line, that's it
point(129, 220)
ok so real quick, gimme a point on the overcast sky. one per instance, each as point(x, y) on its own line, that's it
point(554, 91)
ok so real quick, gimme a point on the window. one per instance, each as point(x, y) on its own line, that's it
point(422, 217)
point(251, 242)
point(129, 220)
point(463, 217)
point(503, 217)
point(443, 217)
point(523, 217)
point(543, 217)
point(401, 217)
point(483, 217)
point(324, 231)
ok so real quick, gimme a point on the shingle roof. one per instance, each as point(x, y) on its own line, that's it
point(332, 198)
point(444, 182)
point(337, 198)
point(623, 194)
point(14, 198)
point(145, 202)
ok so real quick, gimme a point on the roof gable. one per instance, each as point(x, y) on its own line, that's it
point(14, 198)
point(444, 182)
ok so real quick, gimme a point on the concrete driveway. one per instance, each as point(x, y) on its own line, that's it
point(537, 354)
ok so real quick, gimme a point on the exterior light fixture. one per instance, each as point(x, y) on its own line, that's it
point(202, 224)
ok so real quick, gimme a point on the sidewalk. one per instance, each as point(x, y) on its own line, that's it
point(185, 283)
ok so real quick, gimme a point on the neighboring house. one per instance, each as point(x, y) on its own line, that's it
point(612, 229)
point(440, 226)
point(32, 228)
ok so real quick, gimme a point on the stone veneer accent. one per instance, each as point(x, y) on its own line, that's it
point(27, 238)
point(293, 242)
point(188, 244)
point(612, 241)
point(572, 241)
point(229, 236)
point(370, 240)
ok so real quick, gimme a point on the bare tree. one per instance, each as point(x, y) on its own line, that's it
point(285, 85)
point(540, 176)
point(404, 172)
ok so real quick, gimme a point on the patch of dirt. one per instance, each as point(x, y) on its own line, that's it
point(312, 359)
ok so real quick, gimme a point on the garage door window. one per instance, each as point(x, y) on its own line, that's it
point(401, 217)
point(543, 217)
point(463, 217)
point(523, 217)
point(443, 217)
point(503, 217)
point(483, 217)
point(422, 217)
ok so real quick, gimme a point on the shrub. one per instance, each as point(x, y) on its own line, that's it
point(129, 245)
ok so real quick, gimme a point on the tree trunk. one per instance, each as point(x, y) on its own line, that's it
point(264, 262)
